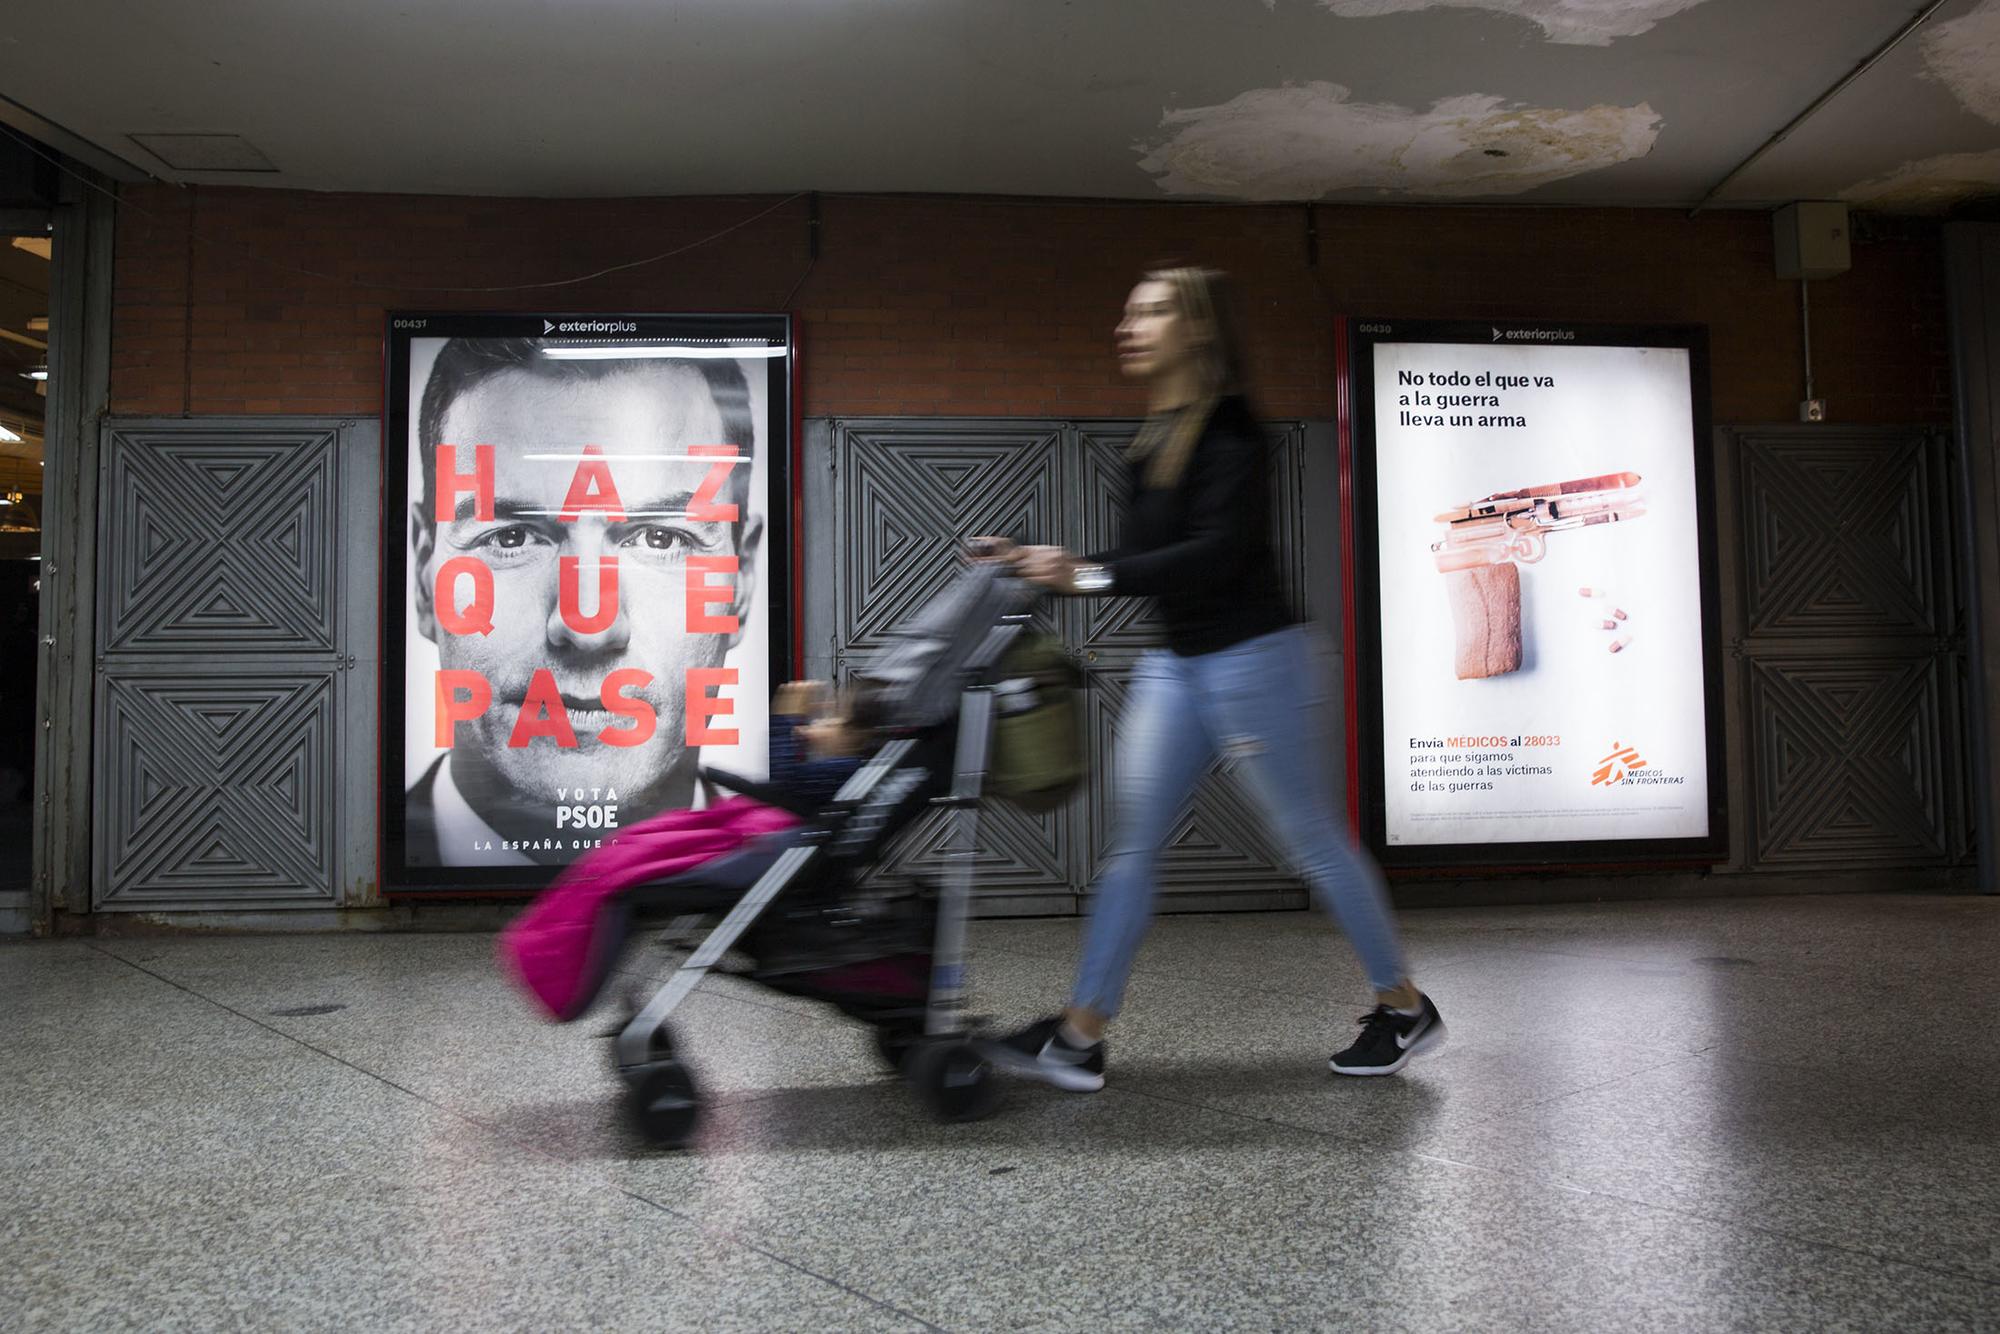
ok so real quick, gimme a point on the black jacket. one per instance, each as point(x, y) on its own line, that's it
point(1203, 548)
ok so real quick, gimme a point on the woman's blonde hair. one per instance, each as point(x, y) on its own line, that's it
point(1201, 298)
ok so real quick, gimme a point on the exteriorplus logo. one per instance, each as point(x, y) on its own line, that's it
point(1533, 335)
point(590, 326)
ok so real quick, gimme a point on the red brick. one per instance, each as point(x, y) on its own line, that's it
point(983, 306)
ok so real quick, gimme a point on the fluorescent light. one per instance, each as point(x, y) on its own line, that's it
point(39, 373)
point(8, 436)
point(662, 351)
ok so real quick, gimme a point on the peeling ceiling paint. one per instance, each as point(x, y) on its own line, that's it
point(1034, 98)
point(1930, 185)
point(1308, 140)
point(1964, 55)
point(1574, 22)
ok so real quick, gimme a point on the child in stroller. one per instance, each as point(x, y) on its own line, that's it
point(819, 739)
point(778, 870)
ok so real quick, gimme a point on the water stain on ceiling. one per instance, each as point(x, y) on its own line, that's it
point(1574, 22)
point(1451, 98)
point(1930, 185)
point(1310, 140)
point(1964, 55)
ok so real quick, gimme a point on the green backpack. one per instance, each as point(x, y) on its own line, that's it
point(1038, 754)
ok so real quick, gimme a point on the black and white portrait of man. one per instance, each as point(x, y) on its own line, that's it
point(585, 529)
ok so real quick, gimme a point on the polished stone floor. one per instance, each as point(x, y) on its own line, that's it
point(1751, 1114)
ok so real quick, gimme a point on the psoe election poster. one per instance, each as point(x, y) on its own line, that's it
point(586, 539)
point(1534, 552)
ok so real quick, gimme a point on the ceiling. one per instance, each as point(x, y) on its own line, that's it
point(1619, 102)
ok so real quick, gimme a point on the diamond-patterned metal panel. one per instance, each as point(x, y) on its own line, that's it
point(1958, 735)
point(1108, 625)
point(1853, 764)
point(910, 497)
point(1113, 624)
point(1019, 852)
point(216, 786)
point(219, 539)
point(1841, 535)
point(1221, 843)
point(1289, 510)
point(224, 612)
point(909, 492)
point(1851, 667)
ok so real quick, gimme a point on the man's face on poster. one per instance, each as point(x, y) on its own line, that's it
point(646, 421)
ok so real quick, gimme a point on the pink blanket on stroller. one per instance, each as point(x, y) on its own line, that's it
point(560, 949)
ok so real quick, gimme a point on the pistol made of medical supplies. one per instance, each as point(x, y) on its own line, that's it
point(1486, 540)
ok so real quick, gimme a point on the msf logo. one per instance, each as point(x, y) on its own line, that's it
point(1614, 767)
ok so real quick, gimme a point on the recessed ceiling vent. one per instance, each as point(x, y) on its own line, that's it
point(205, 152)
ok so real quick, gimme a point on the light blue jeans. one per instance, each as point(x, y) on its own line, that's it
point(1262, 706)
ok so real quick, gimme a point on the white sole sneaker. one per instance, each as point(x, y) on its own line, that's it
point(1426, 1045)
point(1069, 1078)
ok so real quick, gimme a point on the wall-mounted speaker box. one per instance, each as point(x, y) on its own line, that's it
point(1812, 240)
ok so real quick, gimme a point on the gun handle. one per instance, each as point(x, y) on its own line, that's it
point(1486, 617)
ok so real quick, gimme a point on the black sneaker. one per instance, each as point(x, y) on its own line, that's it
point(1040, 1052)
point(1390, 1039)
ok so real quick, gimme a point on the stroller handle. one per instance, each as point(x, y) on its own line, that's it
point(1018, 591)
point(756, 791)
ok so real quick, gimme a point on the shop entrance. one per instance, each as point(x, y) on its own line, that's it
point(24, 370)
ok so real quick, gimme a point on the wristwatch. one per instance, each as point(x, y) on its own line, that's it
point(1091, 579)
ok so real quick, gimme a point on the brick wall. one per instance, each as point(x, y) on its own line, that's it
point(251, 301)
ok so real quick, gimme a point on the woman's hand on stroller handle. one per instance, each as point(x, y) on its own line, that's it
point(1050, 567)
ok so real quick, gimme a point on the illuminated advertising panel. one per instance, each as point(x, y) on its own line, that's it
point(1535, 612)
point(585, 539)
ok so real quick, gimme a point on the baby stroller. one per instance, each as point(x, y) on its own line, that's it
point(790, 899)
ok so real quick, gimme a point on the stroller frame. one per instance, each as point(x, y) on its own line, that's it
point(946, 1068)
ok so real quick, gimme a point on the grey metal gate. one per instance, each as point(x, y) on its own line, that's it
point(236, 600)
point(1848, 648)
point(891, 504)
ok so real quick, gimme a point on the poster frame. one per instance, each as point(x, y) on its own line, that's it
point(777, 565)
point(1355, 341)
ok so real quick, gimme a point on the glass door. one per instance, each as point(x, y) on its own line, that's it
point(24, 352)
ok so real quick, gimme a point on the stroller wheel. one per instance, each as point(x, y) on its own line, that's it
point(659, 1048)
point(665, 1104)
point(954, 1080)
point(893, 1044)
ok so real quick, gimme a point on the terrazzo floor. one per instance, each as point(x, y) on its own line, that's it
point(1756, 1114)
